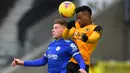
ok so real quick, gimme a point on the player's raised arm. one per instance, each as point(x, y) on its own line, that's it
point(96, 34)
point(69, 31)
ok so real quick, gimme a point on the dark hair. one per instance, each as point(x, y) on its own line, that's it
point(60, 21)
point(83, 9)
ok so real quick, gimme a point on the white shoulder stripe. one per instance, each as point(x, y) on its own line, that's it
point(67, 40)
point(75, 54)
point(45, 55)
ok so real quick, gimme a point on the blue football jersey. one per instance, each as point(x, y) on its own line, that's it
point(59, 53)
point(57, 56)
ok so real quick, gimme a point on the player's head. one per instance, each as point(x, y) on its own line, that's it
point(58, 28)
point(83, 14)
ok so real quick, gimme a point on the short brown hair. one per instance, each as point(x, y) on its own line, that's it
point(60, 21)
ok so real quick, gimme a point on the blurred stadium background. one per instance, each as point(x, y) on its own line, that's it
point(25, 31)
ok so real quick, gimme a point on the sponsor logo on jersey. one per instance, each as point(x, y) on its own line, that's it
point(78, 35)
point(52, 56)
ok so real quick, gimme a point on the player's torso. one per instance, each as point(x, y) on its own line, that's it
point(58, 56)
point(56, 52)
point(77, 36)
point(80, 31)
point(85, 48)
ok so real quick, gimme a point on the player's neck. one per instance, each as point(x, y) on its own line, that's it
point(58, 38)
point(85, 25)
point(89, 23)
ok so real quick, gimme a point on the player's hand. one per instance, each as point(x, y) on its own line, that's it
point(71, 24)
point(17, 62)
point(84, 38)
point(82, 71)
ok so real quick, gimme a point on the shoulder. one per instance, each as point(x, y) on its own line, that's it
point(71, 44)
point(95, 27)
point(67, 41)
point(52, 42)
point(98, 28)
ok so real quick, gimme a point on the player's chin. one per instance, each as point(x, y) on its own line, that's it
point(53, 37)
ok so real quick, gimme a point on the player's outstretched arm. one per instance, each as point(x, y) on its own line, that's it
point(96, 34)
point(32, 63)
point(36, 63)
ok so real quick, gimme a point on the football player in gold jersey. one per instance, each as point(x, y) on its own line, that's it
point(85, 34)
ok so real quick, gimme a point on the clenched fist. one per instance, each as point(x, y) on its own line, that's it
point(17, 62)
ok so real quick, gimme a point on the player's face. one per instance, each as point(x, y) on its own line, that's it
point(57, 31)
point(83, 18)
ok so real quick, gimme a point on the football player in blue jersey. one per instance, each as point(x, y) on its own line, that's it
point(58, 53)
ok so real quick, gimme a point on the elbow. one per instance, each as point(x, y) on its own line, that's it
point(92, 41)
point(93, 38)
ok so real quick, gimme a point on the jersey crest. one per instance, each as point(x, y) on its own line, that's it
point(58, 48)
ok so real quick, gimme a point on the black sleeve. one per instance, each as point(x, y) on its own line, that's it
point(98, 29)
